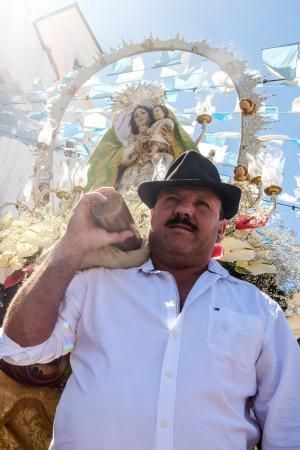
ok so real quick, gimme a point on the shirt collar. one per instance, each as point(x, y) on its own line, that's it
point(148, 267)
point(213, 267)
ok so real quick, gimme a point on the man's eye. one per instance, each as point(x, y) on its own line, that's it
point(202, 203)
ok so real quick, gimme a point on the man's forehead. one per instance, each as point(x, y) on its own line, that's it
point(187, 189)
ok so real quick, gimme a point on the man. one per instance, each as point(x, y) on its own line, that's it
point(174, 354)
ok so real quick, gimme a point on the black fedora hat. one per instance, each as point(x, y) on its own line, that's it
point(193, 169)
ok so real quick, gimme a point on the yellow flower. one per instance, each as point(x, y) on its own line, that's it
point(17, 263)
point(6, 220)
point(25, 249)
point(4, 261)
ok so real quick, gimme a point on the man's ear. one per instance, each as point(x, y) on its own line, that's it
point(221, 229)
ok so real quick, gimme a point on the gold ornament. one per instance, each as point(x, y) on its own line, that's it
point(204, 118)
point(273, 190)
point(256, 180)
point(247, 106)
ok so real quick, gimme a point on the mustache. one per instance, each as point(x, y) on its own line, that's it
point(181, 220)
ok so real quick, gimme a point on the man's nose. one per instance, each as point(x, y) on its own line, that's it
point(185, 208)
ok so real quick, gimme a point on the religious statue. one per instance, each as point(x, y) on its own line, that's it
point(144, 139)
point(240, 173)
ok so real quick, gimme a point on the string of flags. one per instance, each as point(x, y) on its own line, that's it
point(88, 117)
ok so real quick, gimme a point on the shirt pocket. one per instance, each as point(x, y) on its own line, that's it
point(234, 337)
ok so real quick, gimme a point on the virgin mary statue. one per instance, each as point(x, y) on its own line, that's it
point(144, 139)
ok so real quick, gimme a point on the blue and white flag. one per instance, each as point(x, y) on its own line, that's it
point(184, 119)
point(271, 112)
point(192, 82)
point(71, 129)
point(297, 141)
point(8, 120)
point(222, 116)
point(171, 97)
point(122, 66)
point(168, 59)
point(213, 139)
point(281, 61)
point(136, 73)
point(101, 91)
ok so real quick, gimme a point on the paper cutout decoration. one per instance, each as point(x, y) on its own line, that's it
point(281, 61)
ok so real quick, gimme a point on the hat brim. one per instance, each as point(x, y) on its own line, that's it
point(229, 195)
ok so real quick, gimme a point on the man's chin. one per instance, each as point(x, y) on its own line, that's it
point(180, 249)
point(182, 244)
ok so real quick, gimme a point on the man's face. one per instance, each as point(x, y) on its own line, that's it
point(185, 224)
point(141, 117)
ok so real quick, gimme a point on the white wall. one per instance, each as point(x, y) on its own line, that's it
point(16, 164)
point(20, 51)
point(22, 57)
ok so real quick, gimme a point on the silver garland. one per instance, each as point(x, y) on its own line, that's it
point(281, 241)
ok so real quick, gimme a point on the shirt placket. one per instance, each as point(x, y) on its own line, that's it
point(167, 392)
point(167, 397)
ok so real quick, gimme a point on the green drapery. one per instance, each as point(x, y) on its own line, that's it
point(104, 163)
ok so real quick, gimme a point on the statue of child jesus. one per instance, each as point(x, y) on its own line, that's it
point(157, 140)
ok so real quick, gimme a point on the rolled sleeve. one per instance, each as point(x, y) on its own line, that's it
point(63, 337)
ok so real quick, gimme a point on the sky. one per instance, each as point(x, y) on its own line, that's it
point(247, 27)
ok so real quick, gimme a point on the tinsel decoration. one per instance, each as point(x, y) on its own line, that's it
point(147, 93)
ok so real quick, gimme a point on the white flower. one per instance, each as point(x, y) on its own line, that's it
point(237, 249)
point(256, 268)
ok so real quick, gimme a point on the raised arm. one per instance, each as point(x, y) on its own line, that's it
point(33, 312)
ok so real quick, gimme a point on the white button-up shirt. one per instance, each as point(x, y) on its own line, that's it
point(149, 377)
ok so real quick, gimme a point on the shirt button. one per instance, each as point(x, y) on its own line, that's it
point(175, 333)
point(168, 373)
point(170, 304)
point(163, 423)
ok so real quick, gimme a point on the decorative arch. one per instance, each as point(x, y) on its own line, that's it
point(245, 84)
